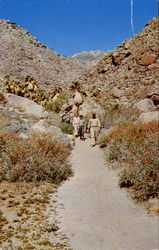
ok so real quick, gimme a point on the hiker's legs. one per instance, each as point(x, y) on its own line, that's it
point(96, 134)
point(81, 132)
point(92, 132)
point(75, 133)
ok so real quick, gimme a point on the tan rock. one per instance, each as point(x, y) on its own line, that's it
point(153, 66)
point(139, 68)
point(137, 52)
point(150, 91)
point(147, 59)
point(145, 105)
point(28, 106)
point(154, 47)
point(117, 92)
point(149, 116)
point(78, 98)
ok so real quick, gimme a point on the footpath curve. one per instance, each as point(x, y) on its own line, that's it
point(95, 213)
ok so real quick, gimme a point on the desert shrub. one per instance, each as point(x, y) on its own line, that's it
point(48, 106)
point(38, 158)
point(142, 171)
point(3, 119)
point(66, 128)
point(137, 147)
point(117, 114)
point(56, 120)
point(55, 106)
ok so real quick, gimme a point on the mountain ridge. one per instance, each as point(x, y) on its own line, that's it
point(22, 54)
point(132, 66)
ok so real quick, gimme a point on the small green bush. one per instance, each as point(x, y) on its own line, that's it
point(66, 128)
point(38, 158)
point(55, 106)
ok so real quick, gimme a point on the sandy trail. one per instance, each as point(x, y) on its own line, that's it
point(95, 214)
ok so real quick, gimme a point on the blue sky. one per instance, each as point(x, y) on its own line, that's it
point(71, 26)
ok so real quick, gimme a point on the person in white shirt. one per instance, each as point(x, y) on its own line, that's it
point(94, 128)
point(75, 124)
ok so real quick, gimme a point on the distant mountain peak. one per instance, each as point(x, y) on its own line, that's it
point(89, 55)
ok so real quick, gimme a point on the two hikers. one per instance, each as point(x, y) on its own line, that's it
point(93, 127)
point(79, 126)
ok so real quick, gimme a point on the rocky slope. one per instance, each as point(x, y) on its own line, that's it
point(132, 67)
point(21, 54)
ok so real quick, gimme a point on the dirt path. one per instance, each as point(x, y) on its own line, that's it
point(95, 214)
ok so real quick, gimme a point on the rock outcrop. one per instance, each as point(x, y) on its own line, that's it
point(25, 105)
point(132, 67)
point(145, 105)
point(149, 116)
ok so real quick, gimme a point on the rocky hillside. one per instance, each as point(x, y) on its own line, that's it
point(132, 68)
point(21, 54)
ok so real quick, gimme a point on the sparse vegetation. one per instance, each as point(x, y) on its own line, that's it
point(30, 170)
point(66, 128)
point(135, 147)
point(56, 105)
point(38, 158)
point(116, 114)
point(25, 226)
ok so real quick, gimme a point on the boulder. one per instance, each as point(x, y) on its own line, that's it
point(145, 105)
point(89, 106)
point(14, 126)
point(147, 59)
point(149, 116)
point(27, 106)
point(42, 126)
point(77, 98)
point(117, 92)
point(23, 135)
